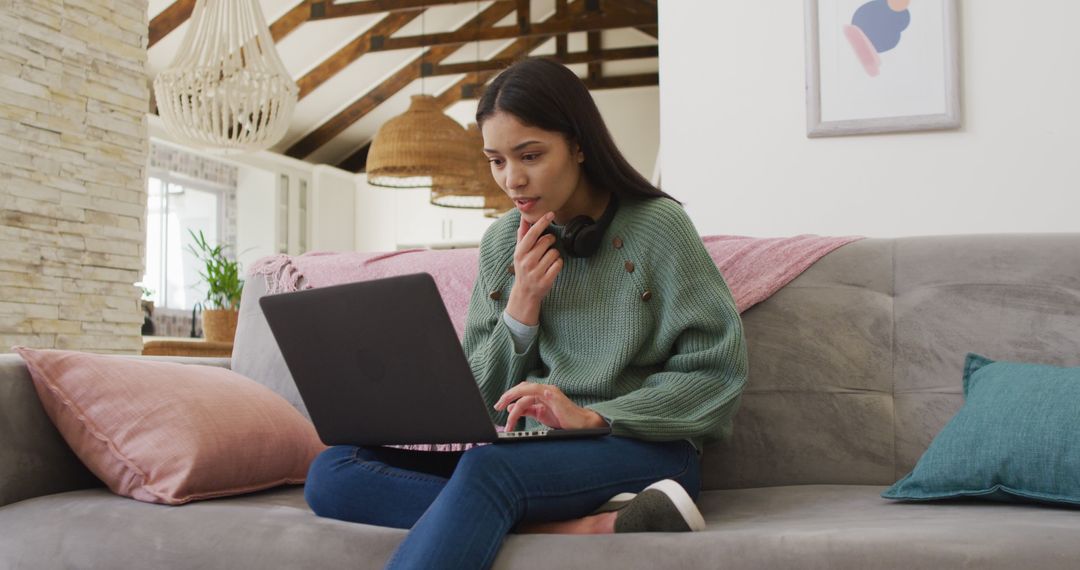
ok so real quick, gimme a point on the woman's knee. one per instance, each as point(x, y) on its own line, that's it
point(493, 471)
point(324, 478)
point(485, 463)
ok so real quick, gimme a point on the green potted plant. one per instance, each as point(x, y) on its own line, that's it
point(224, 287)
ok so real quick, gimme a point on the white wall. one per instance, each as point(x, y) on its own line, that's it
point(332, 209)
point(633, 117)
point(375, 230)
point(256, 208)
point(733, 129)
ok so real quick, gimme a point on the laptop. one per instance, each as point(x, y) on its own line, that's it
point(379, 363)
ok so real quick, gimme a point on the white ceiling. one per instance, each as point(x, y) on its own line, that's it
point(314, 41)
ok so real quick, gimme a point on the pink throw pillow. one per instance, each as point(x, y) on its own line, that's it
point(165, 432)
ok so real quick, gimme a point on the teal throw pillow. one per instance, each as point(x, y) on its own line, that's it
point(1016, 438)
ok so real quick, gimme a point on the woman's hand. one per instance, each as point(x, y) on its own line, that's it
point(548, 405)
point(536, 264)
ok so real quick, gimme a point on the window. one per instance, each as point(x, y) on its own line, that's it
point(173, 208)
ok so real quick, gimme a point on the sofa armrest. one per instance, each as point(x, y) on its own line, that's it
point(34, 458)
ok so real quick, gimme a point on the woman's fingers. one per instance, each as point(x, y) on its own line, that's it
point(532, 258)
point(553, 271)
point(512, 394)
point(550, 256)
point(544, 402)
point(541, 248)
point(523, 227)
point(518, 409)
point(528, 239)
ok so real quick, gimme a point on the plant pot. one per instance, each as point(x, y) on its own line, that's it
point(219, 324)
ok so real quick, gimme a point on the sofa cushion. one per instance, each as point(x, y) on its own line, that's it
point(1013, 296)
point(256, 354)
point(818, 526)
point(1016, 436)
point(856, 365)
point(171, 433)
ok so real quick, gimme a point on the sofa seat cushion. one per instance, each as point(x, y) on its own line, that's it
point(819, 526)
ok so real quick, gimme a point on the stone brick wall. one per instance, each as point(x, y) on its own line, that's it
point(73, 151)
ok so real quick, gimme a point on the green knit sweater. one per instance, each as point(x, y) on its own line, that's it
point(656, 347)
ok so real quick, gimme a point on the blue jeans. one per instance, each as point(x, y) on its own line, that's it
point(461, 505)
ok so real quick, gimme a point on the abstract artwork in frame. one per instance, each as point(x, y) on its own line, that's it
point(881, 66)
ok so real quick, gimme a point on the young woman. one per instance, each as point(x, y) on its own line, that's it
point(624, 322)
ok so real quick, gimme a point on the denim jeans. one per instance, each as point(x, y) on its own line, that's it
point(460, 505)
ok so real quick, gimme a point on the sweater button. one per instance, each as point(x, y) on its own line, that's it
point(510, 269)
point(495, 295)
point(646, 295)
point(629, 265)
point(617, 242)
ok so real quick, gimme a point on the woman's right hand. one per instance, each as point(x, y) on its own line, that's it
point(536, 264)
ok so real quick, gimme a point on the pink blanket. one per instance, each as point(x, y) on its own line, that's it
point(753, 268)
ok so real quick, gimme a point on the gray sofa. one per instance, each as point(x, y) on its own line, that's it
point(855, 366)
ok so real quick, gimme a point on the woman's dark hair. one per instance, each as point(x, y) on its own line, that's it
point(546, 94)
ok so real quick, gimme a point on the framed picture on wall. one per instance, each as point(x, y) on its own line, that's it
point(880, 66)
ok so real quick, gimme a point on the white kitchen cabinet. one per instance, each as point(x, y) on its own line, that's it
point(422, 224)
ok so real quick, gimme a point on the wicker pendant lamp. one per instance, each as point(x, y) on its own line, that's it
point(419, 146)
point(227, 87)
point(481, 192)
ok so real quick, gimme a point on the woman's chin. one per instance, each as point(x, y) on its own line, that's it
point(533, 216)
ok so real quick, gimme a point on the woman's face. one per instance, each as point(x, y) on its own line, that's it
point(537, 169)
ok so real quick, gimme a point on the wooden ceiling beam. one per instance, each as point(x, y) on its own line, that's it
point(619, 54)
point(520, 48)
point(353, 50)
point(523, 15)
point(621, 81)
point(583, 23)
point(362, 44)
point(398, 81)
point(292, 19)
point(325, 10)
point(592, 43)
point(560, 40)
point(472, 87)
point(178, 12)
point(357, 161)
point(635, 7)
point(169, 19)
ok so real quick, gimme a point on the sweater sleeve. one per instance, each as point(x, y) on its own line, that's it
point(522, 333)
point(488, 342)
point(696, 393)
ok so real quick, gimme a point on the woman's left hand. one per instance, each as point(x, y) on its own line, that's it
point(548, 405)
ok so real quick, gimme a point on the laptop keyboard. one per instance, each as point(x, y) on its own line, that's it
point(513, 434)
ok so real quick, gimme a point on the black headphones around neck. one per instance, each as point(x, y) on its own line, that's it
point(582, 235)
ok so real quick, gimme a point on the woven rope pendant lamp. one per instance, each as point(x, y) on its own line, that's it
point(419, 146)
point(227, 87)
point(481, 192)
